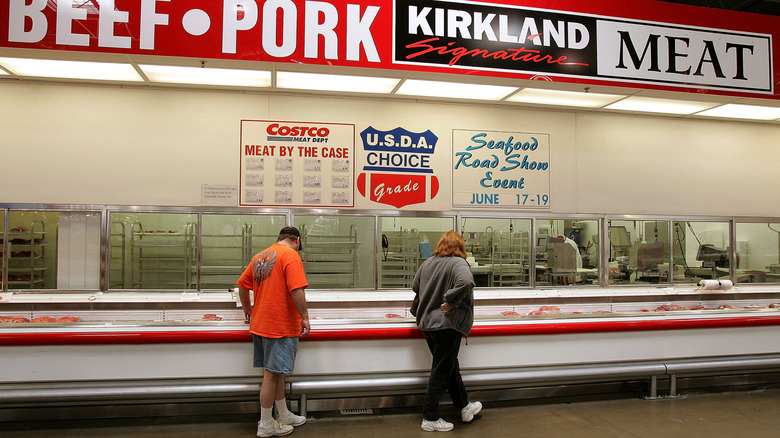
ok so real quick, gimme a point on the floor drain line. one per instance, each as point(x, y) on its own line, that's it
point(356, 411)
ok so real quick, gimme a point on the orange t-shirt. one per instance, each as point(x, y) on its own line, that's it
point(273, 274)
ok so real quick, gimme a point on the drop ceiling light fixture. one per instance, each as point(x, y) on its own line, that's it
point(563, 98)
point(737, 111)
point(454, 90)
point(339, 83)
point(48, 68)
point(660, 106)
point(206, 76)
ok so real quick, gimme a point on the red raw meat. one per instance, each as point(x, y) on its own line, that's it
point(551, 309)
point(509, 313)
point(211, 317)
point(13, 319)
point(44, 319)
point(69, 319)
point(393, 315)
point(668, 308)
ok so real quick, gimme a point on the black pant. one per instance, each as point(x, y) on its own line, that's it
point(445, 372)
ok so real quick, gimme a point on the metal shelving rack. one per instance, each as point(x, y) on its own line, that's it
point(116, 265)
point(163, 259)
point(331, 261)
point(400, 259)
point(224, 257)
point(509, 258)
point(26, 256)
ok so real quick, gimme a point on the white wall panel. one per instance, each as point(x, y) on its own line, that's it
point(661, 165)
point(73, 144)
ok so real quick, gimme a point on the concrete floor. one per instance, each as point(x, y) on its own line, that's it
point(731, 414)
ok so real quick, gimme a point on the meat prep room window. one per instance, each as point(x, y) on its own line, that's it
point(228, 242)
point(405, 242)
point(566, 252)
point(337, 251)
point(758, 252)
point(153, 250)
point(700, 251)
point(499, 250)
point(639, 251)
point(51, 250)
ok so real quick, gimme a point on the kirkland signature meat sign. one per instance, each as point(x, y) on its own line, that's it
point(432, 35)
point(507, 38)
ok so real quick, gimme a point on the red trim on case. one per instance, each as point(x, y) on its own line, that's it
point(374, 334)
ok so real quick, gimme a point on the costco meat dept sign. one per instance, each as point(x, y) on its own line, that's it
point(297, 164)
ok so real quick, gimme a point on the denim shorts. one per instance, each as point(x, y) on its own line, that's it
point(276, 355)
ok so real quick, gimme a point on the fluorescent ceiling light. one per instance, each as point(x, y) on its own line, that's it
point(453, 90)
point(47, 68)
point(664, 106)
point(563, 98)
point(736, 111)
point(207, 76)
point(323, 82)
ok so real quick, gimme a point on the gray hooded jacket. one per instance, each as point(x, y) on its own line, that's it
point(439, 280)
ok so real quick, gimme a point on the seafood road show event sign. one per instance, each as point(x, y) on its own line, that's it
point(503, 169)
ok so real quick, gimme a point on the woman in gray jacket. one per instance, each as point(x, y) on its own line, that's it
point(444, 308)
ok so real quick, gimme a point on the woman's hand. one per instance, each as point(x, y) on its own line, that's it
point(446, 307)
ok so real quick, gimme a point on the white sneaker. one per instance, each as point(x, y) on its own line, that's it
point(467, 414)
point(436, 426)
point(292, 419)
point(273, 428)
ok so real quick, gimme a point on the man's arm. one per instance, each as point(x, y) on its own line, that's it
point(243, 295)
point(299, 298)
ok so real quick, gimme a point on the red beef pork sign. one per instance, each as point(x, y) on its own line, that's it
point(398, 170)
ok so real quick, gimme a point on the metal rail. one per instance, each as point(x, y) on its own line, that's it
point(73, 393)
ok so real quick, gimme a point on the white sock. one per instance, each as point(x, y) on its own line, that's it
point(281, 407)
point(266, 415)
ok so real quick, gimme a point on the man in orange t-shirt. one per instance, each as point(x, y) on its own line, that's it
point(277, 319)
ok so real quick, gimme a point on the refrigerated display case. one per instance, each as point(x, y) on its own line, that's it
point(92, 347)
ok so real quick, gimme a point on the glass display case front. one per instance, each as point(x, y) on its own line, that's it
point(180, 265)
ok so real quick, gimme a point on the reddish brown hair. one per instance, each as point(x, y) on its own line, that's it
point(451, 244)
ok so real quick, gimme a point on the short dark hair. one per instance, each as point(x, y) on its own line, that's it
point(288, 233)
